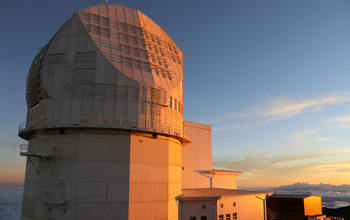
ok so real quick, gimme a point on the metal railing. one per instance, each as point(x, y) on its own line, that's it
point(39, 149)
point(23, 148)
point(105, 122)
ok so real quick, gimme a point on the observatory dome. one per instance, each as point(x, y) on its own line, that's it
point(108, 65)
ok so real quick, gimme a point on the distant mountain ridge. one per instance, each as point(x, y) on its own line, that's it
point(339, 212)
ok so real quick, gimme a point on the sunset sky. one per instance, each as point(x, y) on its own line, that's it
point(271, 77)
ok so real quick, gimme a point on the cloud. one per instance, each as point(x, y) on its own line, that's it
point(303, 134)
point(266, 162)
point(285, 106)
point(270, 109)
point(341, 119)
point(323, 139)
point(303, 138)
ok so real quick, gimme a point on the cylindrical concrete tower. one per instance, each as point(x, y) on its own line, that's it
point(104, 121)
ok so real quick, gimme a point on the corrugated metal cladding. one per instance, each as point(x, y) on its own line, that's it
point(134, 44)
point(196, 156)
point(35, 90)
point(225, 181)
point(108, 65)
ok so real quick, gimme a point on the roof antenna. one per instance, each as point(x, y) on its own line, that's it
point(70, 10)
point(161, 24)
point(107, 2)
point(39, 48)
point(135, 5)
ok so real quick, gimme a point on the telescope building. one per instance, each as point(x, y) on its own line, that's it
point(105, 131)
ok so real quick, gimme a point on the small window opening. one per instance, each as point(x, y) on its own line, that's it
point(234, 215)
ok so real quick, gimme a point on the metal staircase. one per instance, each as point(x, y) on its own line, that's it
point(272, 215)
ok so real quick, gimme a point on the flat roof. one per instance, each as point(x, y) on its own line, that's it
point(197, 125)
point(216, 193)
point(214, 171)
point(290, 196)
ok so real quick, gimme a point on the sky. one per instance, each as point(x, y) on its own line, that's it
point(271, 78)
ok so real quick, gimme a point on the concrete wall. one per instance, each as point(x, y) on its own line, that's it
point(95, 171)
point(106, 174)
point(155, 177)
point(196, 156)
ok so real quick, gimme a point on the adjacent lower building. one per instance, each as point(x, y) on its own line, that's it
point(221, 204)
point(295, 207)
point(210, 193)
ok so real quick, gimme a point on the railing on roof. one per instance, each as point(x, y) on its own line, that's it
point(105, 122)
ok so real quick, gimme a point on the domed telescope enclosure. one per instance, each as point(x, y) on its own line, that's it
point(104, 120)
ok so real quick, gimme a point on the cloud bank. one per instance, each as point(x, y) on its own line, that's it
point(11, 202)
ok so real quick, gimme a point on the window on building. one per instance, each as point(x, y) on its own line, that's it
point(221, 217)
point(228, 217)
point(203, 217)
point(234, 215)
point(192, 218)
point(221, 205)
point(175, 104)
point(204, 207)
point(234, 204)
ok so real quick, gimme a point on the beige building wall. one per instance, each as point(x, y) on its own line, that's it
point(246, 207)
point(226, 181)
point(312, 205)
point(155, 177)
point(196, 156)
point(198, 208)
point(115, 173)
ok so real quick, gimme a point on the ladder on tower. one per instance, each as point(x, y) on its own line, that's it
point(41, 126)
